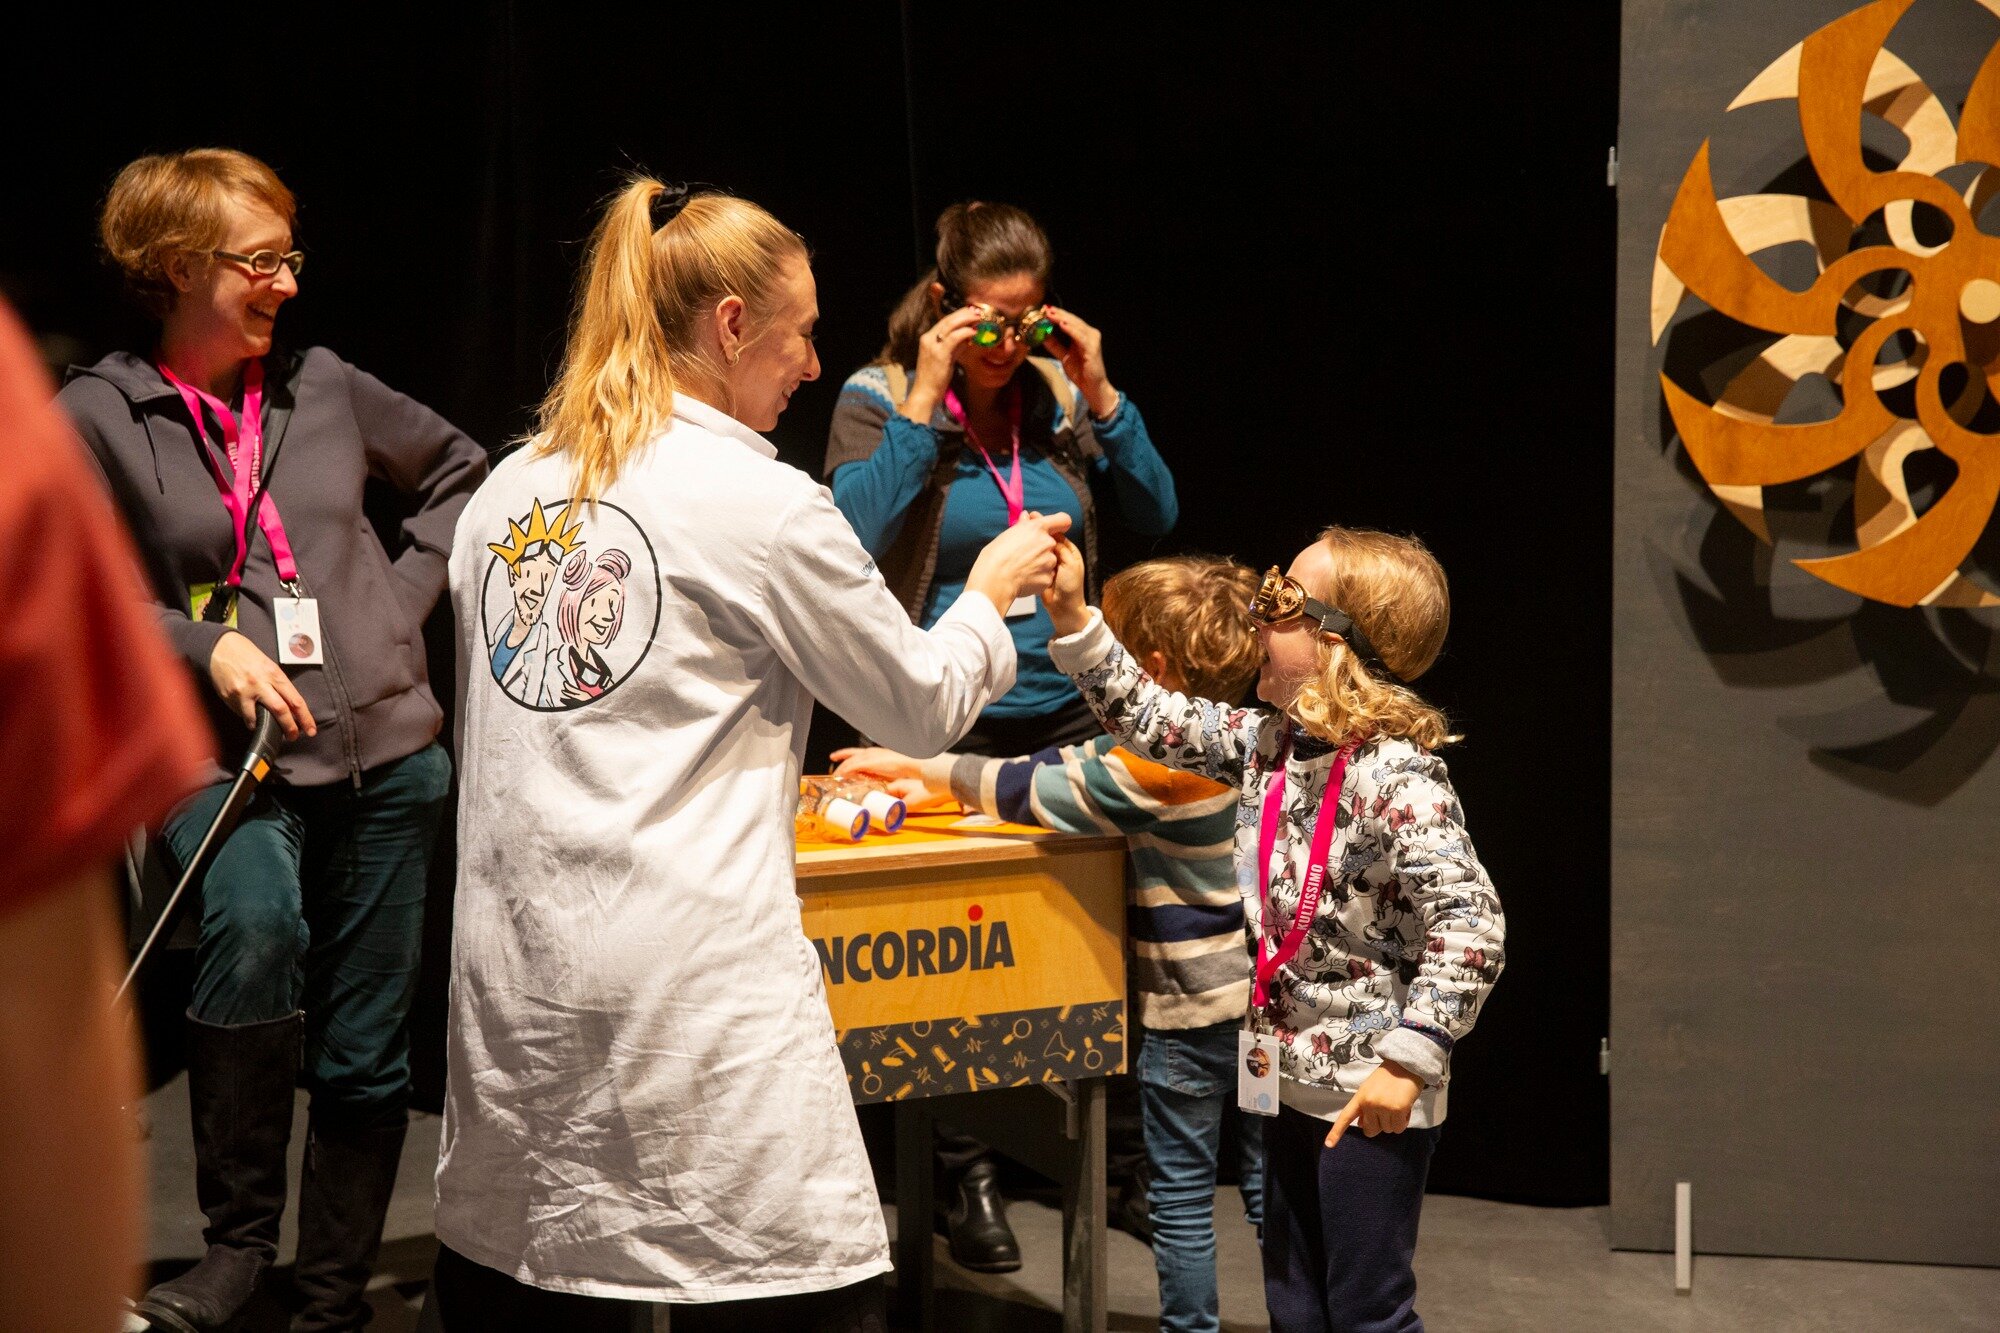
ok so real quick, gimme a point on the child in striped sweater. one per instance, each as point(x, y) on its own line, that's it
point(1378, 934)
point(1185, 619)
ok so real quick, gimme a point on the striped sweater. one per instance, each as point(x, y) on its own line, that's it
point(1190, 964)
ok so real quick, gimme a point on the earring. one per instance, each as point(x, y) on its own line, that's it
point(732, 358)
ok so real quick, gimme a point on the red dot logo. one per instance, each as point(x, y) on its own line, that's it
point(974, 912)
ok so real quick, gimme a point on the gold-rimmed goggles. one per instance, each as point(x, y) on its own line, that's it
point(1282, 598)
point(1031, 328)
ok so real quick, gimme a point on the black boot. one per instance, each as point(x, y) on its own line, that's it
point(350, 1173)
point(1131, 1210)
point(976, 1223)
point(240, 1082)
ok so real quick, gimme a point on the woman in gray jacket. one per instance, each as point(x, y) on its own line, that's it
point(240, 470)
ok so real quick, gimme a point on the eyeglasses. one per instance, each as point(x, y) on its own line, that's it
point(1031, 328)
point(265, 263)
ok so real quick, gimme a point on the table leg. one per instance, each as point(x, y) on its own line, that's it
point(1086, 1264)
point(916, 1299)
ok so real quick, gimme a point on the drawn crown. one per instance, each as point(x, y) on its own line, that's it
point(562, 535)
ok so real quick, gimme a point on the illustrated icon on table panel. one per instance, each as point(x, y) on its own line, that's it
point(570, 605)
point(1883, 367)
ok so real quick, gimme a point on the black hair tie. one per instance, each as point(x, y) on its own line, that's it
point(671, 199)
point(669, 202)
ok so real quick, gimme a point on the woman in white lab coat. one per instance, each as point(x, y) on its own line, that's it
point(644, 1100)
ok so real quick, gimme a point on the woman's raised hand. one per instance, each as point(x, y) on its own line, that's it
point(1068, 612)
point(1083, 361)
point(244, 677)
point(1020, 561)
point(937, 351)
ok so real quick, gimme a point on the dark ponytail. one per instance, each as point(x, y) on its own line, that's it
point(976, 242)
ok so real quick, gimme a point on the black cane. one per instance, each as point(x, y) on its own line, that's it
point(263, 749)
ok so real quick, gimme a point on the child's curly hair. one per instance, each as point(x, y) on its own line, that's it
point(1395, 592)
point(1194, 611)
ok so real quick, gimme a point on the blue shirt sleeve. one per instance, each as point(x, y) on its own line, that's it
point(1145, 488)
point(503, 656)
point(1014, 785)
point(876, 492)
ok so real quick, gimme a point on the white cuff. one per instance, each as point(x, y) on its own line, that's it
point(975, 610)
point(1088, 647)
point(1416, 1053)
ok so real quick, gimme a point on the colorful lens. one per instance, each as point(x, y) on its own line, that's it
point(1037, 333)
point(985, 333)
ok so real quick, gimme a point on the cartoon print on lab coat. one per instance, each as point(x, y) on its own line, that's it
point(520, 648)
point(557, 598)
point(591, 613)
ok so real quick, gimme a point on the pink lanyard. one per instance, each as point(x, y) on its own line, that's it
point(1010, 488)
point(1268, 963)
point(244, 443)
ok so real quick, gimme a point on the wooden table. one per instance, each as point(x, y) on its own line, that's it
point(973, 969)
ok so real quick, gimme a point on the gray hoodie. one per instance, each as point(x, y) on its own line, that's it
point(328, 430)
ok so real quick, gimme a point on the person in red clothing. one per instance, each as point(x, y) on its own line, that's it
point(99, 733)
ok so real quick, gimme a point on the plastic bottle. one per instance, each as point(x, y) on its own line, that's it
point(885, 810)
point(827, 814)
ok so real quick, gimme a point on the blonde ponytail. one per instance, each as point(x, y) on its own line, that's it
point(638, 332)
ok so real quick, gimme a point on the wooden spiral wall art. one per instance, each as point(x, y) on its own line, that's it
point(1902, 319)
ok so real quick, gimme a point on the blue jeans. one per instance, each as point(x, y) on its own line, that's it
point(316, 902)
point(1187, 1083)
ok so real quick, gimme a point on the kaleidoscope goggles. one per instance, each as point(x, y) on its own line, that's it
point(1031, 329)
point(1282, 598)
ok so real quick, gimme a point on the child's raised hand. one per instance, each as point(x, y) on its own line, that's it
point(916, 795)
point(1064, 597)
point(1381, 1105)
point(919, 786)
point(875, 762)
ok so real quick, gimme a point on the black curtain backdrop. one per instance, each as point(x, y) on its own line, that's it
point(1355, 266)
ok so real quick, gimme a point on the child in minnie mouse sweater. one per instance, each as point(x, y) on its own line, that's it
point(1401, 936)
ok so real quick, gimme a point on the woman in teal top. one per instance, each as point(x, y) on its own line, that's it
point(986, 403)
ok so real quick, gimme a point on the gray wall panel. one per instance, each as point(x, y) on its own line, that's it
point(1806, 963)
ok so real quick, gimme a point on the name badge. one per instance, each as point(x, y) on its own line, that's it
point(1257, 1073)
point(1023, 606)
point(299, 642)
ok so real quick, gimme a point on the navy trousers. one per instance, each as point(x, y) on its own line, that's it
point(1340, 1226)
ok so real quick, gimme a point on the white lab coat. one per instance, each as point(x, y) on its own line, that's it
point(644, 1098)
